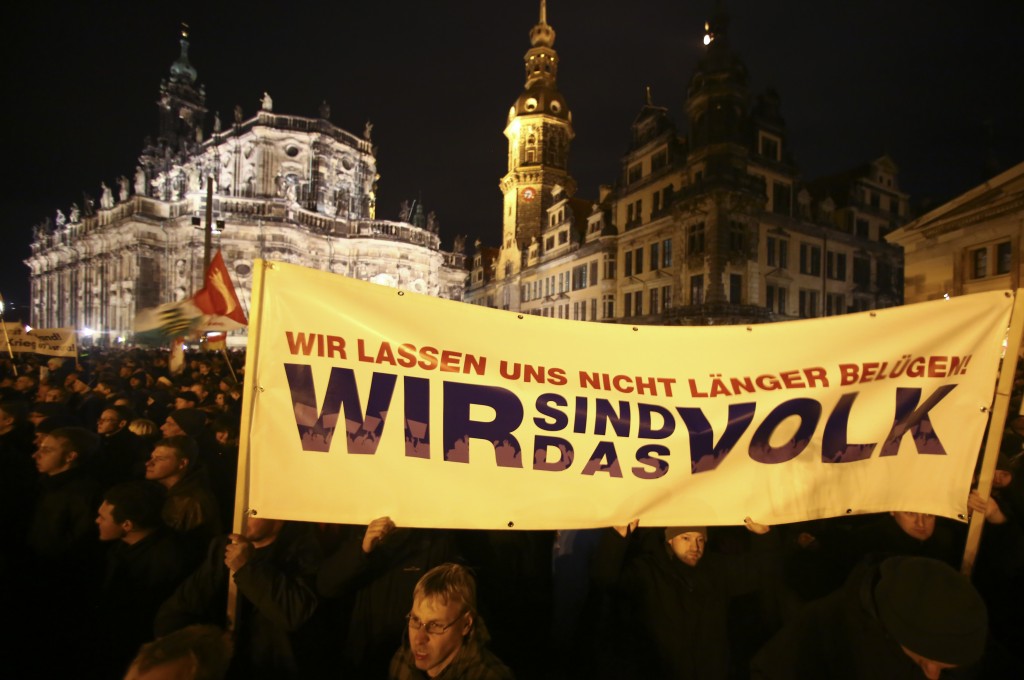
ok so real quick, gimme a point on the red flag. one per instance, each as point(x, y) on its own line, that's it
point(216, 342)
point(217, 297)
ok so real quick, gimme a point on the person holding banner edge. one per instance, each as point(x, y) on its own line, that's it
point(673, 599)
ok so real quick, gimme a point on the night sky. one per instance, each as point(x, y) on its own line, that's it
point(936, 84)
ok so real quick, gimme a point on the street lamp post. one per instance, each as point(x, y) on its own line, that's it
point(208, 229)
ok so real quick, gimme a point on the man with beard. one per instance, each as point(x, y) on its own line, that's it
point(674, 599)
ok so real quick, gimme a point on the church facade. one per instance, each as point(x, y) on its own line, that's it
point(273, 186)
point(712, 226)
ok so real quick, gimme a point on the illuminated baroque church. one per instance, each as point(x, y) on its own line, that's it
point(283, 187)
point(712, 226)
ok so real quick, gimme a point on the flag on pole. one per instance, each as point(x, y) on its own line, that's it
point(214, 307)
point(170, 320)
point(217, 298)
point(215, 342)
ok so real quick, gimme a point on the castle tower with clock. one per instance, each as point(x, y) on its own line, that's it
point(539, 131)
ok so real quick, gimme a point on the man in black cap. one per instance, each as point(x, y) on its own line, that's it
point(187, 421)
point(896, 619)
point(185, 399)
point(675, 599)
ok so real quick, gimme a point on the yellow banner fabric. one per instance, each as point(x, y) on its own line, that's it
point(370, 401)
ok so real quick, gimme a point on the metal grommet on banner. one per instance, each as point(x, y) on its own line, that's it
point(511, 524)
point(984, 409)
point(519, 316)
point(251, 512)
point(849, 511)
point(749, 329)
point(961, 516)
point(635, 328)
point(873, 315)
point(401, 293)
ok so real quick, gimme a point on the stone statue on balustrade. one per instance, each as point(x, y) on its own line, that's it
point(106, 197)
point(140, 181)
point(122, 189)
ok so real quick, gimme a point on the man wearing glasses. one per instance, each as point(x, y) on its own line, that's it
point(446, 636)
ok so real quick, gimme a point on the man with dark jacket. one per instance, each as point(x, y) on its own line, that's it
point(61, 530)
point(64, 554)
point(376, 568)
point(144, 565)
point(273, 564)
point(120, 456)
point(895, 619)
point(190, 507)
point(676, 599)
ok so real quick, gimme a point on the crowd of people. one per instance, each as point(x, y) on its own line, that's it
point(118, 480)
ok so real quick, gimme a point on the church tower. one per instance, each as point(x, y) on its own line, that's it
point(539, 131)
point(182, 105)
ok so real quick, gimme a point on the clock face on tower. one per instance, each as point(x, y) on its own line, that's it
point(529, 193)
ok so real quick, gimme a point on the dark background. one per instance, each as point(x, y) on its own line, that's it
point(936, 84)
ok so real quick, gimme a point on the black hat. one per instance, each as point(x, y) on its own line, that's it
point(931, 610)
point(672, 532)
point(188, 395)
point(192, 421)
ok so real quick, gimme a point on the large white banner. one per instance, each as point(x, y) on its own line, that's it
point(368, 401)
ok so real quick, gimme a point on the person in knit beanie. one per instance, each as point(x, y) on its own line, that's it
point(898, 618)
point(187, 421)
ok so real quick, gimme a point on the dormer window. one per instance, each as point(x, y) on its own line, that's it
point(769, 146)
